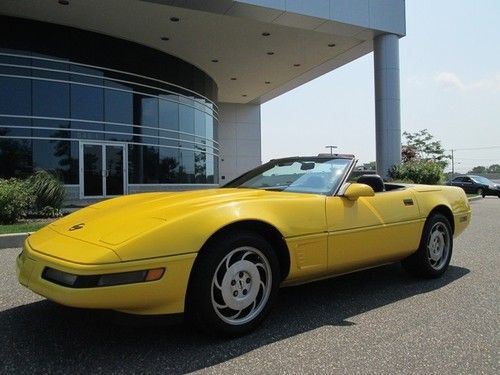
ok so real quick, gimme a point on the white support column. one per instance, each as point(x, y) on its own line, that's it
point(387, 102)
point(239, 138)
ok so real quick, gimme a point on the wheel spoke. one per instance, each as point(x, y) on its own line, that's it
point(216, 282)
point(247, 253)
point(235, 315)
point(220, 306)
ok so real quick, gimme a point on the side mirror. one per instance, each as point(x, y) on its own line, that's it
point(354, 191)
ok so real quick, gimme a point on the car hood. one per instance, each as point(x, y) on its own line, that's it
point(115, 221)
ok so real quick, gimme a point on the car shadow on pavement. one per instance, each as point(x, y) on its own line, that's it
point(46, 337)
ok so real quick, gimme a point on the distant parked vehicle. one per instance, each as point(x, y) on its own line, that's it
point(476, 185)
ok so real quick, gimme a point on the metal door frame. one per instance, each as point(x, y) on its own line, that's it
point(103, 145)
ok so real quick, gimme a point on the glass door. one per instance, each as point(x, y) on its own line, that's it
point(102, 170)
point(114, 170)
point(92, 170)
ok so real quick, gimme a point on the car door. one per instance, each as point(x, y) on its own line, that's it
point(371, 230)
point(468, 185)
point(457, 181)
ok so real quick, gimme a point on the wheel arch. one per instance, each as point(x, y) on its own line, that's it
point(266, 230)
point(446, 211)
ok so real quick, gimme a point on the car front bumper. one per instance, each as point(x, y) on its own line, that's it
point(163, 296)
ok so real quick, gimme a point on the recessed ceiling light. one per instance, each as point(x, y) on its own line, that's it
point(270, 53)
point(267, 82)
point(165, 38)
point(296, 64)
point(244, 95)
point(266, 34)
point(233, 78)
point(174, 19)
point(215, 60)
point(331, 45)
point(63, 2)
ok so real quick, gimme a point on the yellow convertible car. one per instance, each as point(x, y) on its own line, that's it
point(221, 255)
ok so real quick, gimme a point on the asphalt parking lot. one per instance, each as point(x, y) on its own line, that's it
point(377, 321)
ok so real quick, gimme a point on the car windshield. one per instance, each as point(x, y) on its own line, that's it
point(482, 180)
point(304, 175)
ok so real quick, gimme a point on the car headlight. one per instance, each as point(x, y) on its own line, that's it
point(110, 279)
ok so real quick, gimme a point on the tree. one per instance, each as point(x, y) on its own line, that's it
point(370, 166)
point(494, 168)
point(422, 145)
point(478, 170)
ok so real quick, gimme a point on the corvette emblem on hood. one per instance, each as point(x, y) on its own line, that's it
point(76, 227)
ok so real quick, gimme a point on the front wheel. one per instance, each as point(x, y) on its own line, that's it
point(434, 253)
point(233, 284)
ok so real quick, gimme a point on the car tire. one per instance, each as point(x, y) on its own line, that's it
point(233, 283)
point(480, 192)
point(433, 256)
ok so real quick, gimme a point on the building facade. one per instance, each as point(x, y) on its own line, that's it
point(125, 96)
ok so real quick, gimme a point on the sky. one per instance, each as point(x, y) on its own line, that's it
point(450, 85)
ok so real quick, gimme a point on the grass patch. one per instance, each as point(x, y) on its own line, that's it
point(23, 227)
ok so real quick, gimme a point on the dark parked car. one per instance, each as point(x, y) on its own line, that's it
point(476, 185)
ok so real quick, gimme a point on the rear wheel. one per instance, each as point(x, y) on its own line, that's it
point(233, 284)
point(434, 253)
point(480, 192)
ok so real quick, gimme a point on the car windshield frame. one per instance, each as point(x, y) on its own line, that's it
point(298, 185)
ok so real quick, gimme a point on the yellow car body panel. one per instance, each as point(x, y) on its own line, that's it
point(324, 236)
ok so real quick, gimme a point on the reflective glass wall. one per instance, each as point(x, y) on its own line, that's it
point(80, 87)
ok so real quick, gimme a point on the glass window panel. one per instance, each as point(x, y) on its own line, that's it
point(186, 119)
point(134, 165)
point(85, 73)
point(118, 107)
point(143, 164)
point(23, 60)
point(169, 165)
point(187, 141)
point(57, 156)
point(169, 113)
point(216, 170)
point(50, 99)
point(209, 126)
point(15, 157)
point(81, 130)
point(210, 169)
point(215, 130)
point(199, 124)
point(186, 167)
point(18, 71)
point(150, 164)
point(87, 103)
point(51, 128)
point(15, 126)
point(147, 113)
point(200, 167)
point(15, 96)
point(63, 66)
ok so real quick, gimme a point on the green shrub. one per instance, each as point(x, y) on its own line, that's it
point(48, 191)
point(15, 199)
point(419, 171)
point(48, 211)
